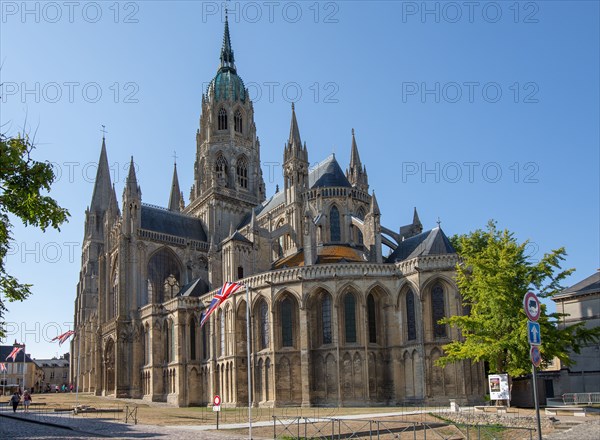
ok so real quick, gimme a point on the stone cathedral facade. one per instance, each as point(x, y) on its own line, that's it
point(333, 320)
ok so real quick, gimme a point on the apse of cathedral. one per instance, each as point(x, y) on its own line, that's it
point(333, 321)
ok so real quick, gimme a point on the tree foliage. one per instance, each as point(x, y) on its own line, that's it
point(493, 276)
point(24, 184)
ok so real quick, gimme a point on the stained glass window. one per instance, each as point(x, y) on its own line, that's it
point(438, 311)
point(334, 224)
point(287, 339)
point(326, 318)
point(411, 323)
point(350, 317)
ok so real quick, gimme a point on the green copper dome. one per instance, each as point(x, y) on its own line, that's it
point(227, 85)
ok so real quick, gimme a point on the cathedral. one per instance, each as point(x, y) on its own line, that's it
point(334, 322)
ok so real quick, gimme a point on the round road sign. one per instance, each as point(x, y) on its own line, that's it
point(531, 305)
point(217, 401)
point(536, 356)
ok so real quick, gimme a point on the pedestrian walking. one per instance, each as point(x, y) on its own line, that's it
point(26, 401)
point(15, 399)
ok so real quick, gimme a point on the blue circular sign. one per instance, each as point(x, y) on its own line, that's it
point(536, 355)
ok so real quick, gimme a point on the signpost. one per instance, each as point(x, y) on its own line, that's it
point(533, 309)
point(217, 407)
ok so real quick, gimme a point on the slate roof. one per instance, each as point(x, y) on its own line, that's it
point(53, 363)
point(194, 289)
point(433, 242)
point(585, 287)
point(5, 351)
point(172, 223)
point(328, 173)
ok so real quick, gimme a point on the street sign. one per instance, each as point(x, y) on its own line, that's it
point(534, 336)
point(531, 305)
point(535, 355)
point(217, 400)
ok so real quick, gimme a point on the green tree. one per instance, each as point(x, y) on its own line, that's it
point(24, 184)
point(494, 274)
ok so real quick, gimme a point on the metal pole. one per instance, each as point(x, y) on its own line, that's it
point(24, 368)
point(537, 406)
point(248, 362)
point(78, 362)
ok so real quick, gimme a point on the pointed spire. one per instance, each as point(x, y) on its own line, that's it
point(294, 131)
point(227, 58)
point(175, 199)
point(374, 206)
point(416, 220)
point(355, 163)
point(113, 205)
point(131, 186)
point(102, 185)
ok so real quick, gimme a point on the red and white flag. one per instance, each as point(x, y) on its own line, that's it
point(223, 293)
point(62, 338)
point(13, 353)
point(3, 367)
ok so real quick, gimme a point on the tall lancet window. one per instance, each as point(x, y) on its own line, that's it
point(326, 318)
point(237, 121)
point(222, 119)
point(438, 311)
point(334, 224)
point(242, 172)
point(350, 318)
point(411, 323)
point(263, 325)
point(221, 169)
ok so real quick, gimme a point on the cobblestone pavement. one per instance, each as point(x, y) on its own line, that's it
point(586, 431)
point(19, 427)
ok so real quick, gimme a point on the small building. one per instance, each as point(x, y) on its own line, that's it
point(55, 374)
point(12, 379)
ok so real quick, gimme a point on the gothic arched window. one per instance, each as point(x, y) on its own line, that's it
point(237, 121)
point(221, 167)
point(263, 325)
point(222, 333)
point(287, 336)
point(334, 224)
point(411, 323)
point(326, 318)
point(371, 316)
point(193, 339)
point(242, 172)
point(222, 119)
point(438, 311)
point(350, 318)
point(361, 215)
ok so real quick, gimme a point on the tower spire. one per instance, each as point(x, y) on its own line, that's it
point(357, 173)
point(175, 200)
point(102, 185)
point(227, 58)
point(294, 131)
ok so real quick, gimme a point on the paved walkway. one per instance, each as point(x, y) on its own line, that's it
point(586, 431)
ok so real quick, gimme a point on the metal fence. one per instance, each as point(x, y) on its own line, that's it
point(306, 428)
point(581, 398)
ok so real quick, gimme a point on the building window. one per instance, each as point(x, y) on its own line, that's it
point(372, 319)
point(240, 273)
point(411, 323)
point(193, 339)
point(222, 331)
point(242, 172)
point(334, 224)
point(361, 215)
point(326, 319)
point(438, 311)
point(287, 339)
point(52, 375)
point(222, 119)
point(205, 350)
point(264, 325)
point(237, 121)
point(350, 318)
point(221, 167)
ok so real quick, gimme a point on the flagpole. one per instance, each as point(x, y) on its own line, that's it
point(248, 361)
point(24, 368)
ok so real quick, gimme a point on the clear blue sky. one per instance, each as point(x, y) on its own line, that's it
point(467, 114)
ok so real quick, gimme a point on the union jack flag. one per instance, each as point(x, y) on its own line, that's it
point(13, 353)
point(62, 338)
point(223, 293)
point(3, 367)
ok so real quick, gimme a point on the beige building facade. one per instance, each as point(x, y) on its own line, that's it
point(333, 320)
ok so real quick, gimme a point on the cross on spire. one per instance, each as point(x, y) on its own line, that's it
point(103, 131)
point(175, 157)
point(439, 222)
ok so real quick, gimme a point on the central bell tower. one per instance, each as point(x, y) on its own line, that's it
point(228, 180)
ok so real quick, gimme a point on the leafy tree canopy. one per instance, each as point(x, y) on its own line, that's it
point(493, 276)
point(24, 183)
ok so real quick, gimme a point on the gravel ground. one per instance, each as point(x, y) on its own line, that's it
point(19, 427)
point(586, 431)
